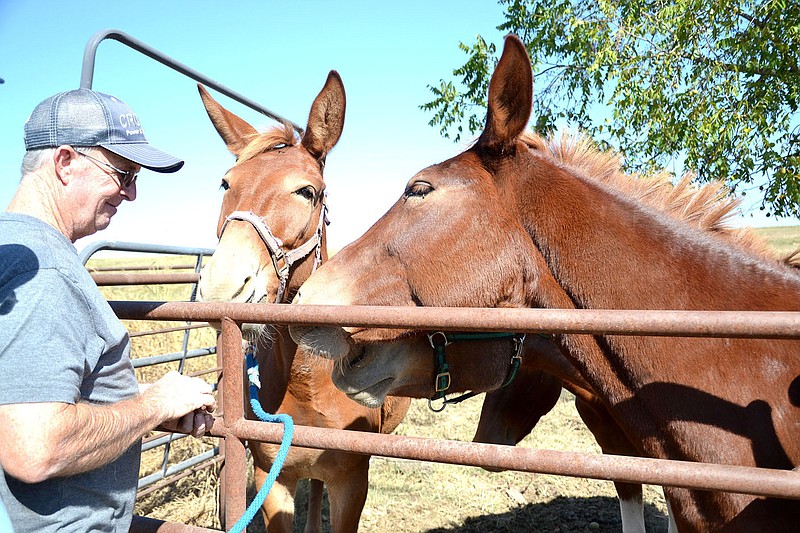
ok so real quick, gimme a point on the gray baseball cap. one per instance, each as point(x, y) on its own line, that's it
point(83, 117)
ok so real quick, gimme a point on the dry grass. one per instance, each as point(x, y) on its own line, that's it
point(783, 239)
point(412, 496)
point(437, 497)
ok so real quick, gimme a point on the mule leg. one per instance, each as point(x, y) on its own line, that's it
point(347, 495)
point(278, 507)
point(631, 507)
point(673, 527)
point(612, 441)
point(314, 516)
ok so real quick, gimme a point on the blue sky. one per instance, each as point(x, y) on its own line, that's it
point(276, 53)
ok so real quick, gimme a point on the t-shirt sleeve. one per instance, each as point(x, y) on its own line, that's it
point(45, 335)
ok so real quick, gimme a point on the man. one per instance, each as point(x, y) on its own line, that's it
point(71, 410)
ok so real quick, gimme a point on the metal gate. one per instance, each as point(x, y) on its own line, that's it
point(135, 274)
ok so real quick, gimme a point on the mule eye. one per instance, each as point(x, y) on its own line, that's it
point(224, 185)
point(418, 188)
point(307, 192)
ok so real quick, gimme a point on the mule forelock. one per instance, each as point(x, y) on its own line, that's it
point(277, 137)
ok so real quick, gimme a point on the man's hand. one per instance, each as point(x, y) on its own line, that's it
point(195, 424)
point(186, 403)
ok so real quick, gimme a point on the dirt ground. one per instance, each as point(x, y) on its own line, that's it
point(411, 496)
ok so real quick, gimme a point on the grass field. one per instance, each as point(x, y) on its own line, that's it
point(783, 239)
point(411, 496)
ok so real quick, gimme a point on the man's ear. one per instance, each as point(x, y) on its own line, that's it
point(64, 160)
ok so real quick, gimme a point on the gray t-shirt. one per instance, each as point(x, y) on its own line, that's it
point(61, 342)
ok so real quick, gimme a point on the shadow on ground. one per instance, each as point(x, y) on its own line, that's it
point(562, 514)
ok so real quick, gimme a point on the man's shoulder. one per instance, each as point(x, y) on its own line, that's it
point(40, 237)
point(29, 245)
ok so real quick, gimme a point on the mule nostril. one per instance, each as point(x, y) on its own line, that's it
point(359, 357)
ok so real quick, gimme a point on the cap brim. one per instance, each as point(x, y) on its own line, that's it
point(146, 156)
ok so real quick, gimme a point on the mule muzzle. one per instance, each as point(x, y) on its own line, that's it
point(330, 342)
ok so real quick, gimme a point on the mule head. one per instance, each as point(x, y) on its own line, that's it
point(452, 239)
point(408, 367)
point(271, 226)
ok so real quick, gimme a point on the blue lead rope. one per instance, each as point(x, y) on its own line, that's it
point(286, 441)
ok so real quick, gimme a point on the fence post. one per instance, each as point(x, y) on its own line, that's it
point(222, 490)
point(235, 472)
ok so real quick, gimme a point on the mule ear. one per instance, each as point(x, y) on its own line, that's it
point(326, 119)
point(233, 130)
point(510, 96)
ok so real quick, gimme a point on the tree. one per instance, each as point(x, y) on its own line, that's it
point(712, 83)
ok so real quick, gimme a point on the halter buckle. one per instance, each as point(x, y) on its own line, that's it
point(519, 340)
point(445, 340)
point(436, 409)
point(442, 381)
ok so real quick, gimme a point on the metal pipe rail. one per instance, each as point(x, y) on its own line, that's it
point(728, 478)
point(143, 524)
point(217, 460)
point(105, 279)
point(169, 330)
point(705, 476)
point(87, 73)
point(148, 443)
point(138, 268)
point(195, 460)
point(123, 246)
point(172, 357)
point(739, 324)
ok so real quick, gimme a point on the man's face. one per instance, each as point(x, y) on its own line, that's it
point(98, 191)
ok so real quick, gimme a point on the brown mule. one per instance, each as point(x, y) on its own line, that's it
point(503, 225)
point(272, 235)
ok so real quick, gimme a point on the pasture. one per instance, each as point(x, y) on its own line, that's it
point(411, 496)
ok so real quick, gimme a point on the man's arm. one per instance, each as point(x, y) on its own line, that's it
point(44, 440)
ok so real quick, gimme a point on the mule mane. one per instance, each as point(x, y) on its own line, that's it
point(259, 143)
point(708, 207)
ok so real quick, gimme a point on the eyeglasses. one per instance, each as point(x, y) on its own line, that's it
point(126, 177)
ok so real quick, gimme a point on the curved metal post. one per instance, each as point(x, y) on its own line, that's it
point(87, 74)
point(123, 246)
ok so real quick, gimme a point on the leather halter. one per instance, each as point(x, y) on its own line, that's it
point(440, 339)
point(274, 245)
